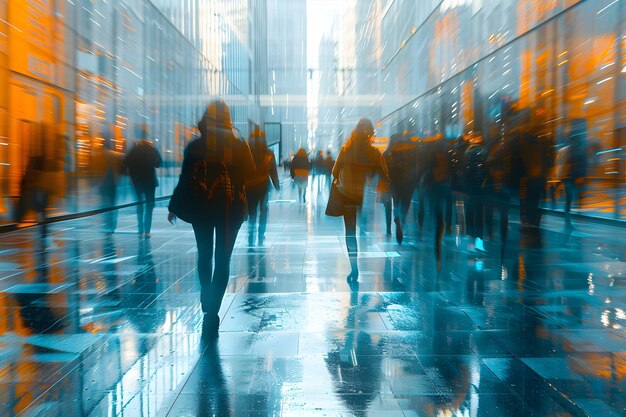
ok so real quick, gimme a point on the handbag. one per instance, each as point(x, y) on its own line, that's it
point(336, 201)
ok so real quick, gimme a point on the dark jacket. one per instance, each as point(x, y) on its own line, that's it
point(141, 163)
point(265, 170)
point(401, 159)
point(235, 155)
point(300, 165)
point(355, 165)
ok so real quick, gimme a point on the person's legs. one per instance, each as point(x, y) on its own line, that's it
point(387, 204)
point(349, 220)
point(437, 201)
point(504, 221)
point(470, 215)
point(421, 206)
point(253, 202)
point(149, 193)
point(263, 208)
point(479, 213)
point(225, 237)
point(300, 199)
point(489, 210)
point(204, 241)
point(535, 188)
point(401, 202)
point(140, 209)
point(569, 196)
point(449, 202)
point(479, 209)
point(41, 205)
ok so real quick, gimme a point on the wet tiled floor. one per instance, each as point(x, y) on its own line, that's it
point(99, 325)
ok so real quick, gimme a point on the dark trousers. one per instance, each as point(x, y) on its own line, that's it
point(534, 189)
point(573, 192)
point(474, 210)
point(402, 194)
point(145, 195)
point(35, 199)
point(350, 213)
point(498, 200)
point(257, 203)
point(213, 281)
point(440, 196)
point(108, 192)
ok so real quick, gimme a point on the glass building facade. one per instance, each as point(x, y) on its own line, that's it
point(106, 73)
point(449, 67)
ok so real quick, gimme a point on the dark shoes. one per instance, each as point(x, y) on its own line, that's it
point(353, 277)
point(210, 324)
point(399, 235)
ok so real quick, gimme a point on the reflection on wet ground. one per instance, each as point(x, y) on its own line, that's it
point(101, 325)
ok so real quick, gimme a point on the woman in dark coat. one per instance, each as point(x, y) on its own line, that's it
point(358, 160)
point(228, 165)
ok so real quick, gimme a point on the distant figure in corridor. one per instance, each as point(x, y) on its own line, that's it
point(141, 163)
point(329, 162)
point(300, 167)
point(41, 181)
point(215, 169)
point(257, 187)
point(400, 157)
point(112, 161)
point(572, 165)
point(358, 160)
point(475, 176)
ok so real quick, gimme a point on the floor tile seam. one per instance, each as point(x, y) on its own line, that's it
point(147, 379)
point(556, 394)
point(74, 364)
point(165, 290)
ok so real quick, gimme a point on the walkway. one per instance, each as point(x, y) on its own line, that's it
point(97, 325)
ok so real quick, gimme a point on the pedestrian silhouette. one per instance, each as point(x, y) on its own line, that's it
point(211, 195)
point(258, 187)
point(141, 163)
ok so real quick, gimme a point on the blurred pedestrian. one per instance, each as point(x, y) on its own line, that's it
point(358, 160)
point(475, 178)
point(211, 195)
point(43, 175)
point(257, 187)
point(141, 163)
point(300, 168)
point(328, 167)
point(572, 160)
point(400, 157)
point(113, 161)
point(536, 152)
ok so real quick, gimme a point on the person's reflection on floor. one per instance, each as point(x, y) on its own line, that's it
point(257, 264)
point(143, 291)
point(391, 276)
point(35, 310)
point(476, 283)
point(109, 252)
point(355, 364)
point(215, 399)
point(112, 169)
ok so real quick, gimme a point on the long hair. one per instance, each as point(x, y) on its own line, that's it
point(362, 135)
point(216, 119)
